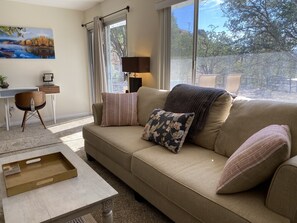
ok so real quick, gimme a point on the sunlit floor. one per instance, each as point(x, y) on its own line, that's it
point(72, 140)
point(68, 132)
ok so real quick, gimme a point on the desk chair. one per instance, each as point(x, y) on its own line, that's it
point(30, 102)
point(233, 83)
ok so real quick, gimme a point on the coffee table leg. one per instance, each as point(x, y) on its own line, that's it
point(107, 215)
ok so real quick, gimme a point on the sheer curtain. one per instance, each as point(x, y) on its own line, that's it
point(164, 48)
point(99, 70)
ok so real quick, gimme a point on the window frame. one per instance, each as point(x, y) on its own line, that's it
point(106, 30)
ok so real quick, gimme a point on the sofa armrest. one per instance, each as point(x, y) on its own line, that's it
point(282, 194)
point(97, 113)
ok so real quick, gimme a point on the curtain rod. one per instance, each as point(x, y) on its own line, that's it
point(127, 8)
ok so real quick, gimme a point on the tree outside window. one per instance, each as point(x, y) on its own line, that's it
point(256, 39)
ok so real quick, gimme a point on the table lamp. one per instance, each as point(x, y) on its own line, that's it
point(135, 65)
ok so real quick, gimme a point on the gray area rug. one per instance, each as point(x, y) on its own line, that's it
point(84, 219)
point(126, 208)
point(36, 136)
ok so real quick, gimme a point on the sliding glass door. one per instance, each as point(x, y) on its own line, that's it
point(116, 48)
point(246, 47)
point(181, 51)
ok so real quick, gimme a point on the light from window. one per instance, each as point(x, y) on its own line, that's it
point(116, 48)
point(182, 27)
point(247, 47)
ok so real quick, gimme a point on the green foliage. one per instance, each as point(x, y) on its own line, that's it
point(181, 41)
point(118, 41)
point(260, 43)
point(2, 79)
point(212, 44)
point(262, 25)
point(8, 30)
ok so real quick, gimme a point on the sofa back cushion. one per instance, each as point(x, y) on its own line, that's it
point(149, 99)
point(218, 113)
point(249, 116)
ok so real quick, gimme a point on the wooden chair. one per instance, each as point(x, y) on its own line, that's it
point(233, 83)
point(30, 102)
point(207, 81)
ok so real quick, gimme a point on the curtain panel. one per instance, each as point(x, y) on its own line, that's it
point(91, 64)
point(164, 48)
point(100, 76)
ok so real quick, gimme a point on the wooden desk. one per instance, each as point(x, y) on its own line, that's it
point(51, 90)
point(7, 93)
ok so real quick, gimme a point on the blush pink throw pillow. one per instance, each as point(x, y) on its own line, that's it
point(256, 159)
point(119, 109)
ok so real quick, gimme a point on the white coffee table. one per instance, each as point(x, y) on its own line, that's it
point(62, 201)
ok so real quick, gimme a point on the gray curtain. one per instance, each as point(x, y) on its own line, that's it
point(99, 76)
point(164, 48)
point(90, 36)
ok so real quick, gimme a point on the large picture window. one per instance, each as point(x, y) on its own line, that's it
point(116, 48)
point(247, 47)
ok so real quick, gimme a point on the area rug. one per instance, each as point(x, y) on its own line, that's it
point(126, 209)
point(36, 136)
point(84, 219)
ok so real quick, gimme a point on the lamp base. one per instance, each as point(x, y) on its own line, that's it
point(135, 83)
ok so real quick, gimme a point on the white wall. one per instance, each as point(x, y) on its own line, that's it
point(142, 29)
point(70, 66)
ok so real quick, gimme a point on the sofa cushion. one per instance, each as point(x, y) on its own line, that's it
point(168, 129)
point(191, 98)
point(116, 142)
point(218, 113)
point(282, 193)
point(249, 116)
point(148, 100)
point(256, 159)
point(189, 180)
point(119, 109)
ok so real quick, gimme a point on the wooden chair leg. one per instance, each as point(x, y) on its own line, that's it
point(41, 119)
point(24, 117)
point(24, 120)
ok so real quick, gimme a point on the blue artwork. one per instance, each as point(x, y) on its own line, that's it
point(26, 43)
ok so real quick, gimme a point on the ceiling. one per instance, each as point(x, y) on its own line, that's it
point(81, 5)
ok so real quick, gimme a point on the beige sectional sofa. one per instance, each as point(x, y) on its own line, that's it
point(183, 185)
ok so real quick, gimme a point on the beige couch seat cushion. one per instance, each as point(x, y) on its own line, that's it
point(189, 179)
point(249, 116)
point(282, 193)
point(116, 142)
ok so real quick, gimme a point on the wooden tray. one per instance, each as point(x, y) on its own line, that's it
point(29, 174)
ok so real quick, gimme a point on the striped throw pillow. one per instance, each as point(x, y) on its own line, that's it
point(256, 159)
point(119, 109)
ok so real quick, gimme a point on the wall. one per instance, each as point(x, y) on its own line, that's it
point(70, 66)
point(142, 29)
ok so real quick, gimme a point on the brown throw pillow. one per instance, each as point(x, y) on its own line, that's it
point(119, 109)
point(256, 159)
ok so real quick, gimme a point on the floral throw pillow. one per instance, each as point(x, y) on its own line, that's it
point(168, 129)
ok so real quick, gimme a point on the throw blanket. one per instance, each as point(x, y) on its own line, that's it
point(190, 98)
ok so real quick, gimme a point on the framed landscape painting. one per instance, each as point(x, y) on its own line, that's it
point(26, 43)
